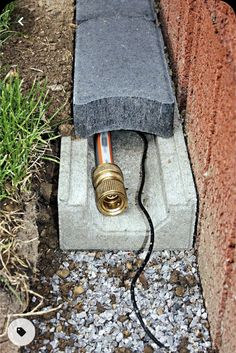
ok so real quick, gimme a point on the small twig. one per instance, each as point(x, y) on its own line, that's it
point(30, 313)
point(38, 70)
point(37, 313)
point(26, 241)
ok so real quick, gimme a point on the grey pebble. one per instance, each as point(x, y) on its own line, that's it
point(103, 332)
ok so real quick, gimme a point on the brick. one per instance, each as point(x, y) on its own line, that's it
point(91, 9)
point(121, 79)
point(201, 37)
point(229, 318)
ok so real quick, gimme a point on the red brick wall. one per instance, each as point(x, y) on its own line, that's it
point(201, 36)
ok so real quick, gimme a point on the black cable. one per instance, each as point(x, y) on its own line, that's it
point(150, 248)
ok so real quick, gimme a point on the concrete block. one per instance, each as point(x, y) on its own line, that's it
point(169, 195)
point(121, 79)
point(90, 9)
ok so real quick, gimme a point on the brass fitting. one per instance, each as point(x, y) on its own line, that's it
point(108, 182)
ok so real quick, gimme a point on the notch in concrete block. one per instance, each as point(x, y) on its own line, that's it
point(91, 9)
point(169, 195)
point(121, 79)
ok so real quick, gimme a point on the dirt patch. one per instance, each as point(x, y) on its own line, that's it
point(42, 49)
point(25, 240)
point(8, 306)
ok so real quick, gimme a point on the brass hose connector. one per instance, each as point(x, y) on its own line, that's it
point(108, 182)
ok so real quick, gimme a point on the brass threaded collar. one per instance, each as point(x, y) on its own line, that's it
point(108, 182)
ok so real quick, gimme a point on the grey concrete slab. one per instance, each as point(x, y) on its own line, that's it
point(90, 9)
point(121, 79)
point(169, 195)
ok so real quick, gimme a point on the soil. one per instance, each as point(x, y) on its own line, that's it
point(42, 49)
point(27, 249)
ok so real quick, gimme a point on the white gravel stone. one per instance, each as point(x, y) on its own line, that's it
point(204, 315)
point(96, 331)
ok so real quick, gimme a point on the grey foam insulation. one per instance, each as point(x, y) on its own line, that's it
point(90, 9)
point(121, 80)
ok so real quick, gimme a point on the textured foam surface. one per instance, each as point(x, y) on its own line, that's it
point(121, 78)
point(89, 9)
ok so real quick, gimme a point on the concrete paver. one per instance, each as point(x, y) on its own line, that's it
point(169, 195)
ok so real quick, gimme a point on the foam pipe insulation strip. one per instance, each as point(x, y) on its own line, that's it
point(121, 79)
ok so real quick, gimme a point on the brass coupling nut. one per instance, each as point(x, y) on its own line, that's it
point(108, 182)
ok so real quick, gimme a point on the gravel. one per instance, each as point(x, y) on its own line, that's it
point(97, 313)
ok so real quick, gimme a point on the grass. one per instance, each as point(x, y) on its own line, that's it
point(5, 21)
point(25, 133)
point(25, 136)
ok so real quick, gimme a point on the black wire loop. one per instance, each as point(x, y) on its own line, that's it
point(150, 248)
